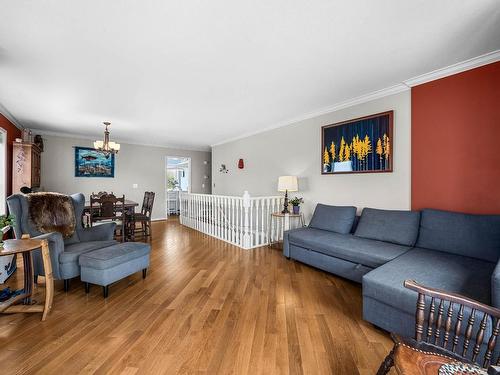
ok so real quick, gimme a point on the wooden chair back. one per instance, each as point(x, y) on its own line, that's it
point(147, 203)
point(443, 324)
point(98, 195)
point(106, 207)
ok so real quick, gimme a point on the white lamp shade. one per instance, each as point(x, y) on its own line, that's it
point(289, 183)
point(98, 144)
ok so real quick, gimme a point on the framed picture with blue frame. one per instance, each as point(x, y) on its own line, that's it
point(92, 163)
point(362, 145)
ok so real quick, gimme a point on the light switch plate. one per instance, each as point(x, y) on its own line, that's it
point(135, 186)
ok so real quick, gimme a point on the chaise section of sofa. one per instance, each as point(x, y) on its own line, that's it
point(444, 250)
point(454, 252)
point(330, 244)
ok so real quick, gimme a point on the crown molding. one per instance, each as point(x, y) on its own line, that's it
point(9, 116)
point(462, 66)
point(405, 85)
point(396, 89)
point(475, 62)
point(91, 138)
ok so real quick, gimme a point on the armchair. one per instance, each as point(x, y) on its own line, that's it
point(64, 253)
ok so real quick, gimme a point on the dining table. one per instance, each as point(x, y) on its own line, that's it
point(128, 208)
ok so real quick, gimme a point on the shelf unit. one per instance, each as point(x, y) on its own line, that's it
point(26, 166)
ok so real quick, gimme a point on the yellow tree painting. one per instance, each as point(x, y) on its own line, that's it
point(342, 150)
point(326, 157)
point(359, 145)
point(332, 151)
point(379, 150)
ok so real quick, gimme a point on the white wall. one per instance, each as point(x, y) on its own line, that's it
point(142, 165)
point(295, 150)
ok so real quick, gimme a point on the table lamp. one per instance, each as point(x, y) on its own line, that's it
point(286, 184)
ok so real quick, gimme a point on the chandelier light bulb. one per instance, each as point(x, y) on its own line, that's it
point(107, 147)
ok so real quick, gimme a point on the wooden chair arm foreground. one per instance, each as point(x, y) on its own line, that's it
point(25, 246)
point(439, 333)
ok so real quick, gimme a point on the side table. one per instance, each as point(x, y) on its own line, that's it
point(24, 247)
point(285, 218)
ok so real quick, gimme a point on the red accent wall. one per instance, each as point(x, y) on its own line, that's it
point(455, 140)
point(12, 134)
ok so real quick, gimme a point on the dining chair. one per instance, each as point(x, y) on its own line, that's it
point(108, 207)
point(86, 214)
point(144, 218)
point(453, 335)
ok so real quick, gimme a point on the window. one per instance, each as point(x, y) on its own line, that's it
point(3, 169)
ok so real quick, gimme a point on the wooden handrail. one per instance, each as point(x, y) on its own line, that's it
point(452, 297)
point(228, 196)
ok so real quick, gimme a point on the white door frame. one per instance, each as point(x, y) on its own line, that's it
point(190, 172)
point(189, 169)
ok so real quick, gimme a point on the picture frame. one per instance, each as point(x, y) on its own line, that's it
point(360, 145)
point(90, 162)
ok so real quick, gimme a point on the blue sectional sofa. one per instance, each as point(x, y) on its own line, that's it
point(446, 250)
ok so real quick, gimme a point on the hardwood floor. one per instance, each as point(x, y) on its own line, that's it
point(206, 307)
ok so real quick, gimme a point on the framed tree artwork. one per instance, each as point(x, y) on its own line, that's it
point(362, 145)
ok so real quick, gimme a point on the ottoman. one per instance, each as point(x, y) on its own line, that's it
point(110, 264)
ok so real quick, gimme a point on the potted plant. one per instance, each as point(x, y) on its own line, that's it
point(295, 202)
point(6, 222)
point(7, 263)
point(172, 183)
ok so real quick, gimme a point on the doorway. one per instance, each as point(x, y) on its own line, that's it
point(178, 179)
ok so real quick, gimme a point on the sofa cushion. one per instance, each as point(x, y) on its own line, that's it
point(337, 219)
point(346, 246)
point(476, 236)
point(72, 252)
point(436, 269)
point(399, 227)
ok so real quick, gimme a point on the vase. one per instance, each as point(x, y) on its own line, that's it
point(296, 210)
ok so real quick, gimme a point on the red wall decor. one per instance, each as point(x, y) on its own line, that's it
point(455, 142)
point(12, 134)
point(241, 164)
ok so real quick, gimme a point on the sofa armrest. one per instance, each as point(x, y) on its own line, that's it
point(101, 232)
point(495, 286)
point(56, 248)
point(286, 244)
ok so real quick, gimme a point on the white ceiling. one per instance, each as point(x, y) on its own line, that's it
point(195, 73)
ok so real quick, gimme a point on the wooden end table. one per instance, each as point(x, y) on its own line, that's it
point(24, 247)
point(286, 225)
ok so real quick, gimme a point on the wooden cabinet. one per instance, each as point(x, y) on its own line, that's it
point(26, 166)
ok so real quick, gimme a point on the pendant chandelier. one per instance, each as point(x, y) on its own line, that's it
point(106, 146)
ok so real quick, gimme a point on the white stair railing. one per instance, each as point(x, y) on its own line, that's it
point(243, 221)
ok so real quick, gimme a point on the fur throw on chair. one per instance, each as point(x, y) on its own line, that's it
point(52, 212)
